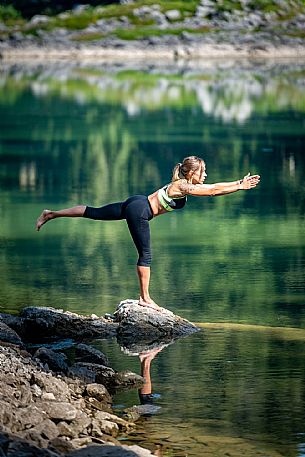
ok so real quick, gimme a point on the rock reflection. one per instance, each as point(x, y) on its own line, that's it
point(27, 175)
point(230, 94)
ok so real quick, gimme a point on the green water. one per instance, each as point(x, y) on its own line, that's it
point(92, 134)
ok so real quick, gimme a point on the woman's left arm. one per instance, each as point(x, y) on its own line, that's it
point(223, 188)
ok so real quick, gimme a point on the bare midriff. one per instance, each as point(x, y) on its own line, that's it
point(156, 206)
point(173, 192)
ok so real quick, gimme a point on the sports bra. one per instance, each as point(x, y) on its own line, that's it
point(170, 203)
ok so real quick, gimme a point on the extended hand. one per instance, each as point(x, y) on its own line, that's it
point(250, 181)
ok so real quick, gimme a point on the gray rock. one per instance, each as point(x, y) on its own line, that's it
point(101, 416)
point(135, 412)
point(104, 426)
point(61, 444)
point(65, 429)
point(51, 384)
point(86, 353)
point(142, 12)
point(63, 423)
point(59, 411)
point(81, 422)
point(82, 372)
point(56, 361)
point(48, 396)
point(18, 447)
point(39, 19)
point(78, 9)
point(28, 417)
point(209, 3)
point(102, 374)
point(127, 379)
point(173, 15)
point(42, 322)
point(204, 11)
point(3, 27)
point(99, 392)
point(9, 335)
point(46, 429)
point(159, 18)
point(138, 323)
point(108, 451)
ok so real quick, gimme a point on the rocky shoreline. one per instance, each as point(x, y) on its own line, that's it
point(138, 52)
point(52, 405)
point(211, 31)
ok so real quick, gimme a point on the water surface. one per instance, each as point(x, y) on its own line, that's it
point(92, 134)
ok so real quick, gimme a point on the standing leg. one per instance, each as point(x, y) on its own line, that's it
point(47, 215)
point(137, 219)
point(144, 280)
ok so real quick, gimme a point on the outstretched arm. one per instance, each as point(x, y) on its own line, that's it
point(221, 188)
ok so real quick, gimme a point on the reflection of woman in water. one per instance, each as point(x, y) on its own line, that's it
point(188, 178)
point(145, 393)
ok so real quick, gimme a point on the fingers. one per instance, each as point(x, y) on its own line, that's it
point(253, 178)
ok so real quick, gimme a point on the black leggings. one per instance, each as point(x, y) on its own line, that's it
point(137, 212)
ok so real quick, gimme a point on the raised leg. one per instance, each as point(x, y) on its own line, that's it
point(47, 215)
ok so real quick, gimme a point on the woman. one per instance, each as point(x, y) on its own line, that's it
point(188, 178)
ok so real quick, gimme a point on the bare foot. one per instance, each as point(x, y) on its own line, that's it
point(43, 218)
point(149, 304)
point(150, 355)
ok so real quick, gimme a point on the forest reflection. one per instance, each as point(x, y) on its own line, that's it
point(76, 134)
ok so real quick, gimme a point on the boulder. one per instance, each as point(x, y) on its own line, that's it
point(14, 322)
point(98, 373)
point(85, 353)
point(95, 373)
point(13, 446)
point(43, 322)
point(138, 323)
point(99, 392)
point(56, 361)
point(59, 411)
point(9, 335)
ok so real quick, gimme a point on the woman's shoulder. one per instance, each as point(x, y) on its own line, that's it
point(185, 187)
point(178, 187)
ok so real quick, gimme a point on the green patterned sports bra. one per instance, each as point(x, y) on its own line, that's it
point(170, 203)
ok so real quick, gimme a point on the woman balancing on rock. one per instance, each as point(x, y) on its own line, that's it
point(188, 179)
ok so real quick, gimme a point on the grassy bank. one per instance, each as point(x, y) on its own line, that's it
point(142, 18)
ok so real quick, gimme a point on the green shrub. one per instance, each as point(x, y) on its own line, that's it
point(9, 14)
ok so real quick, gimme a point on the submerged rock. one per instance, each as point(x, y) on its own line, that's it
point(95, 373)
point(86, 353)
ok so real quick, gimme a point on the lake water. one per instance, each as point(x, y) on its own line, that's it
point(90, 134)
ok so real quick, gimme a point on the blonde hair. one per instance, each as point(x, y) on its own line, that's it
point(191, 163)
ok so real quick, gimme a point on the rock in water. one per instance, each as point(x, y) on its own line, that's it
point(9, 335)
point(41, 322)
point(137, 322)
